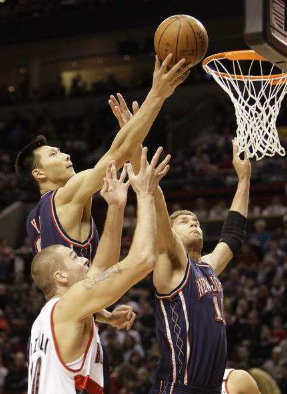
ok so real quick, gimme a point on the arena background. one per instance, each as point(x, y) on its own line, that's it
point(59, 62)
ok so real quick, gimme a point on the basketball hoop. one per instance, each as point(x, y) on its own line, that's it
point(257, 91)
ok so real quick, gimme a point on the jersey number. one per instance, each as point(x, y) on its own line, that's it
point(36, 376)
point(219, 308)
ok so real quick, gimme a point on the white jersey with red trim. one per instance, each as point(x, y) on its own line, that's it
point(224, 388)
point(48, 374)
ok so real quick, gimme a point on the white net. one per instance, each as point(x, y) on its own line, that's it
point(256, 92)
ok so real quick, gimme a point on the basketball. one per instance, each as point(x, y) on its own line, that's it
point(184, 37)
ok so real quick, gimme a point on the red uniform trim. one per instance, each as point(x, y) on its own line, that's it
point(205, 265)
point(49, 191)
point(172, 362)
point(57, 348)
point(88, 384)
point(226, 387)
point(65, 237)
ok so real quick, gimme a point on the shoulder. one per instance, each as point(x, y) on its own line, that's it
point(173, 251)
point(241, 382)
point(206, 260)
point(238, 374)
point(205, 263)
point(46, 197)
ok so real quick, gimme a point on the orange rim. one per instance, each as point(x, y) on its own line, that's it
point(241, 55)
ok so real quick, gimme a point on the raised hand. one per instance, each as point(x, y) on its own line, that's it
point(164, 81)
point(120, 109)
point(242, 167)
point(115, 190)
point(148, 178)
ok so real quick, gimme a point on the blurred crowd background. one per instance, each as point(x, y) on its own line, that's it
point(56, 82)
point(255, 286)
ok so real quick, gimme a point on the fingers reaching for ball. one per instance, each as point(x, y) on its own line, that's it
point(165, 63)
point(179, 72)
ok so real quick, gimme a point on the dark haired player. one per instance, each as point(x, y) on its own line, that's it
point(63, 215)
point(190, 323)
point(65, 350)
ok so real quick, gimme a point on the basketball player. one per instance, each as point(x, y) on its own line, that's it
point(190, 323)
point(65, 350)
point(237, 381)
point(63, 214)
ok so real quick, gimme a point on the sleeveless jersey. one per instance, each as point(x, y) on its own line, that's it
point(191, 333)
point(49, 374)
point(44, 229)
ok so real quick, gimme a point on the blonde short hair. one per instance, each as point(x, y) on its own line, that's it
point(43, 267)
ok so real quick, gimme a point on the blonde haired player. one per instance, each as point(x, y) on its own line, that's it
point(237, 381)
point(65, 353)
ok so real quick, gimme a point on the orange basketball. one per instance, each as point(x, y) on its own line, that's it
point(184, 37)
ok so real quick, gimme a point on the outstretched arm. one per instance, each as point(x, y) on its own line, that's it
point(234, 226)
point(166, 237)
point(97, 292)
point(168, 241)
point(81, 186)
point(114, 192)
point(170, 251)
point(171, 254)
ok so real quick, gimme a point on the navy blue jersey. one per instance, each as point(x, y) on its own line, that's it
point(44, 229)
point(191, 332)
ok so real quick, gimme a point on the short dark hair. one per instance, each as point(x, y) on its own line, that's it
point(27, 161)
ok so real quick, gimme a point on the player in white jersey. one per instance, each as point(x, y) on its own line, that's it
point(237, 381)
point(65, 351)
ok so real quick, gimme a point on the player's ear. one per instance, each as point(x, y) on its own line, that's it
point(38, 174)
point(61, 276)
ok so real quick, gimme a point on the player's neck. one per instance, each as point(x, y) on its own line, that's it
point(194, 255)
point(48, 186)
point(60, 292)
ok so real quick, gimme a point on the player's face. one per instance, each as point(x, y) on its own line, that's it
point(77, 267)
point(55, 165)
point(188, 228)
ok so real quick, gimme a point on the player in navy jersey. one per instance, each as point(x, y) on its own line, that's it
point(63, 215)
point(190, 324)
point(65, 351)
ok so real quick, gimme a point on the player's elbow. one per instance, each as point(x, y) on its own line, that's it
point(146, 263)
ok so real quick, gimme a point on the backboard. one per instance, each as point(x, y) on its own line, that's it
point(265, 29)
